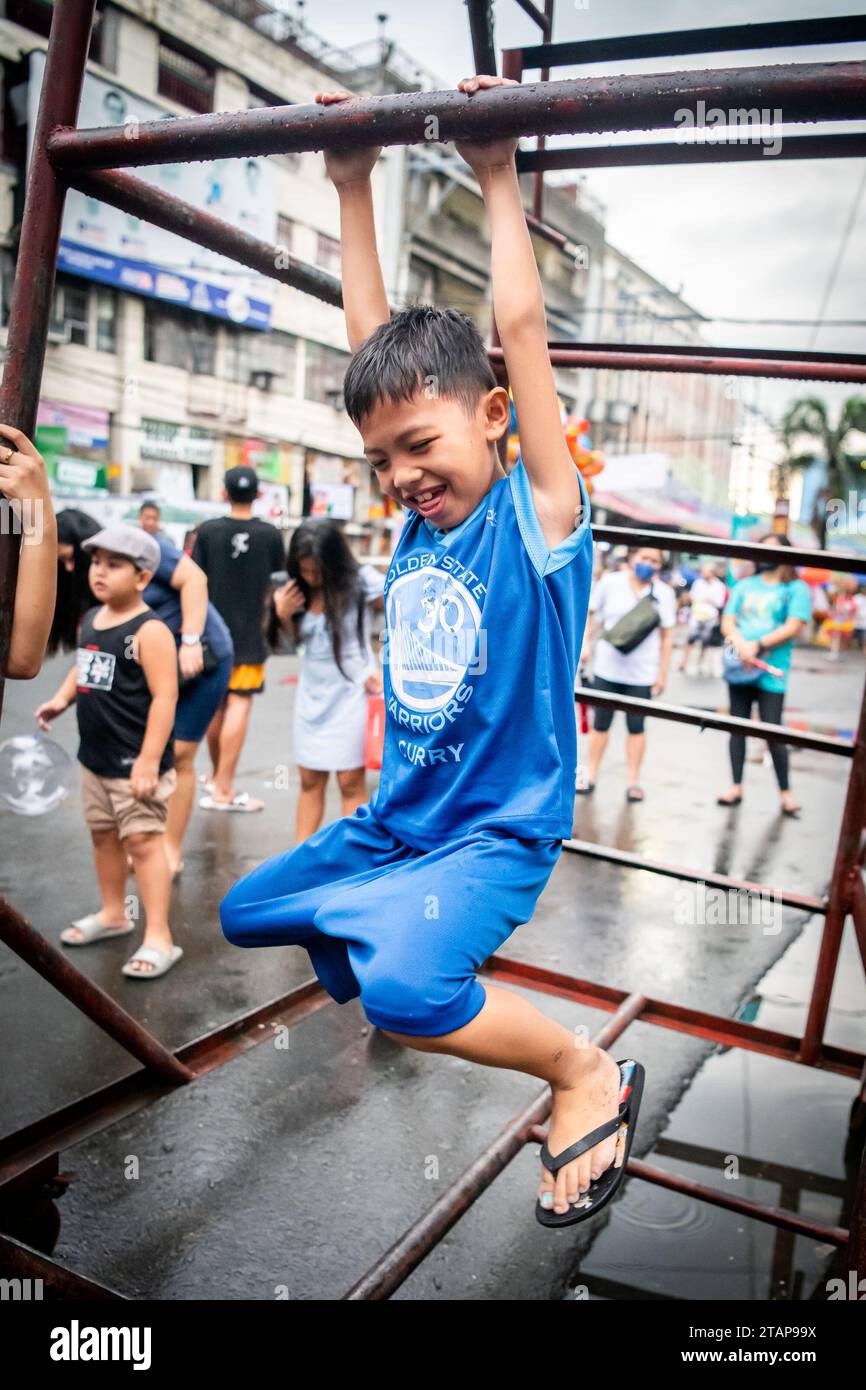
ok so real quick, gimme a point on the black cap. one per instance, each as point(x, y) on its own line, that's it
point(241, 483)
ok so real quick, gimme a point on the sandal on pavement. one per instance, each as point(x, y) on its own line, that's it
point(599, 1193)
point(93, 930)
point(634, 793)
point(585, 791)
point(729, 800)
point(241, 801)
point(160, 960)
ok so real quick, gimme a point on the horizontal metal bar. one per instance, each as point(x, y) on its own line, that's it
point(722, 38)
point(722, 723)
point(706, 362)
point(842, 145)
point(66, 1284)
point(699, 1024)
point(389, 1272)
point(152, 204)
point(856, 359)
point(805, 92)
point(804, 902)
point(843, 560)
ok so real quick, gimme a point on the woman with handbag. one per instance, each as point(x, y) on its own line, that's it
point(632, 614)
point(761, 619)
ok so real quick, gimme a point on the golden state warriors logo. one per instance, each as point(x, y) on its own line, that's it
point(434, 631)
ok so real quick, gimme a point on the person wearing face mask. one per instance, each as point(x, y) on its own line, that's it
point(762, 617)
point(632, 653)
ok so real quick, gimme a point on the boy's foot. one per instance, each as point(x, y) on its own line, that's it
point(590, 1097)
point(142, 962)
point(93, 927)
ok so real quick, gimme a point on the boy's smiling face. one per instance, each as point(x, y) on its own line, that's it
point(431, 456)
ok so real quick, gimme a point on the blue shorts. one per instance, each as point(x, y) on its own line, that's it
point(405, 929)
point(199, 700)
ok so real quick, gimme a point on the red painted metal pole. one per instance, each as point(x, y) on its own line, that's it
point(841, 897)
point(37, 261)
point(649, 101)
point(802, 369)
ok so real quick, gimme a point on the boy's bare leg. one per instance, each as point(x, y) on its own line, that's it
point(148, 853)
point(597, 744)
point(511, 1032)
point(180, 801)
point(311, 803)
point(110, 862)
point(235, 723)
point(214, 729)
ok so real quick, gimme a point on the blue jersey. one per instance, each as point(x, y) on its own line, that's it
point(484, 630)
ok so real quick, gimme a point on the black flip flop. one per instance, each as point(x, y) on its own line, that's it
point(729, 800)
point(632, 1077)
point(585, 791)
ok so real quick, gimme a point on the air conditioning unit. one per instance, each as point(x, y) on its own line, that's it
point(262, 380)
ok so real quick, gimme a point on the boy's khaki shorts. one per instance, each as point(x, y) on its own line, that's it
point(109, 803)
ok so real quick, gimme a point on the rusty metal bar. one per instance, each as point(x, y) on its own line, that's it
point(98, 1006)
point(841, 898)
point(538, 191)
point(696, 1022)
point(806, 92)
point(722, 38)
point(480, 13)
point(709, 361)
point(842, 560)
point(36, 263)
point(841, 145)
point(144, 200)
point(723, 723)
point(389, 1272)
point(533, 11)
point(803, 902)
point(25, 1262)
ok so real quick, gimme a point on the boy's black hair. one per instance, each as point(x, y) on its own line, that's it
point(420, 349)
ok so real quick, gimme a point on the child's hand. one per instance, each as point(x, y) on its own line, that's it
point(486, 154)
point(288, 600)
point(22, 467)
point(49, 711)
point(347, 166)
point(143, 778)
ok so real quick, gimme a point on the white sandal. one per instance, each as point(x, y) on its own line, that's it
point(92, 930)
point(161, 960)
point(241, 801)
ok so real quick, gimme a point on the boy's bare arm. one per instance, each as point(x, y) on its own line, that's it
point(518, 306)
point(365, 302)
point(157, 655)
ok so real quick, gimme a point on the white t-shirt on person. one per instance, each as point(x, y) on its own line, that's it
point(611, 599)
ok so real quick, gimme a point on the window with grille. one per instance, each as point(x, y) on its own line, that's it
point(184, 79)
point(325, 368)
point(177, 338)
point(328, 253)
point(69, 312)
point(266, 360)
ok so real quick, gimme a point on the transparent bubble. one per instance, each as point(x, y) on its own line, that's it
point(35, 773)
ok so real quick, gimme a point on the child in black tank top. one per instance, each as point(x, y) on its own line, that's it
point(125, 686)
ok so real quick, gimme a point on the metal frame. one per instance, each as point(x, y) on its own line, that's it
point(64, 156)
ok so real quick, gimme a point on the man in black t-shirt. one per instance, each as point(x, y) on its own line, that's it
point(238, 553)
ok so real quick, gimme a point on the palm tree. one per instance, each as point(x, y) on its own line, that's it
point(845, 471)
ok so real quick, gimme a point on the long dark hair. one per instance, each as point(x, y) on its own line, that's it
point(323, 539)
point(74, 595)
point(788, 572)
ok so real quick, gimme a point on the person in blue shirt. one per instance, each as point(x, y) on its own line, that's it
point(486, 599)
point(762, 617)
point(177, 593)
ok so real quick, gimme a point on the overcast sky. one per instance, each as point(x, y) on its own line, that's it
point(751, 241)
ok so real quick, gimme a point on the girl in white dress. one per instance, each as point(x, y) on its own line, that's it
point(326, 603)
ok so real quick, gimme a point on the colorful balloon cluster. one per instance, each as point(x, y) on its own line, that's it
point(587, 460)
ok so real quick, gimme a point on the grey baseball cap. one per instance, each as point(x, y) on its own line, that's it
point(126, 540)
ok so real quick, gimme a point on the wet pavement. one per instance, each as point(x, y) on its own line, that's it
point(293, 1170)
